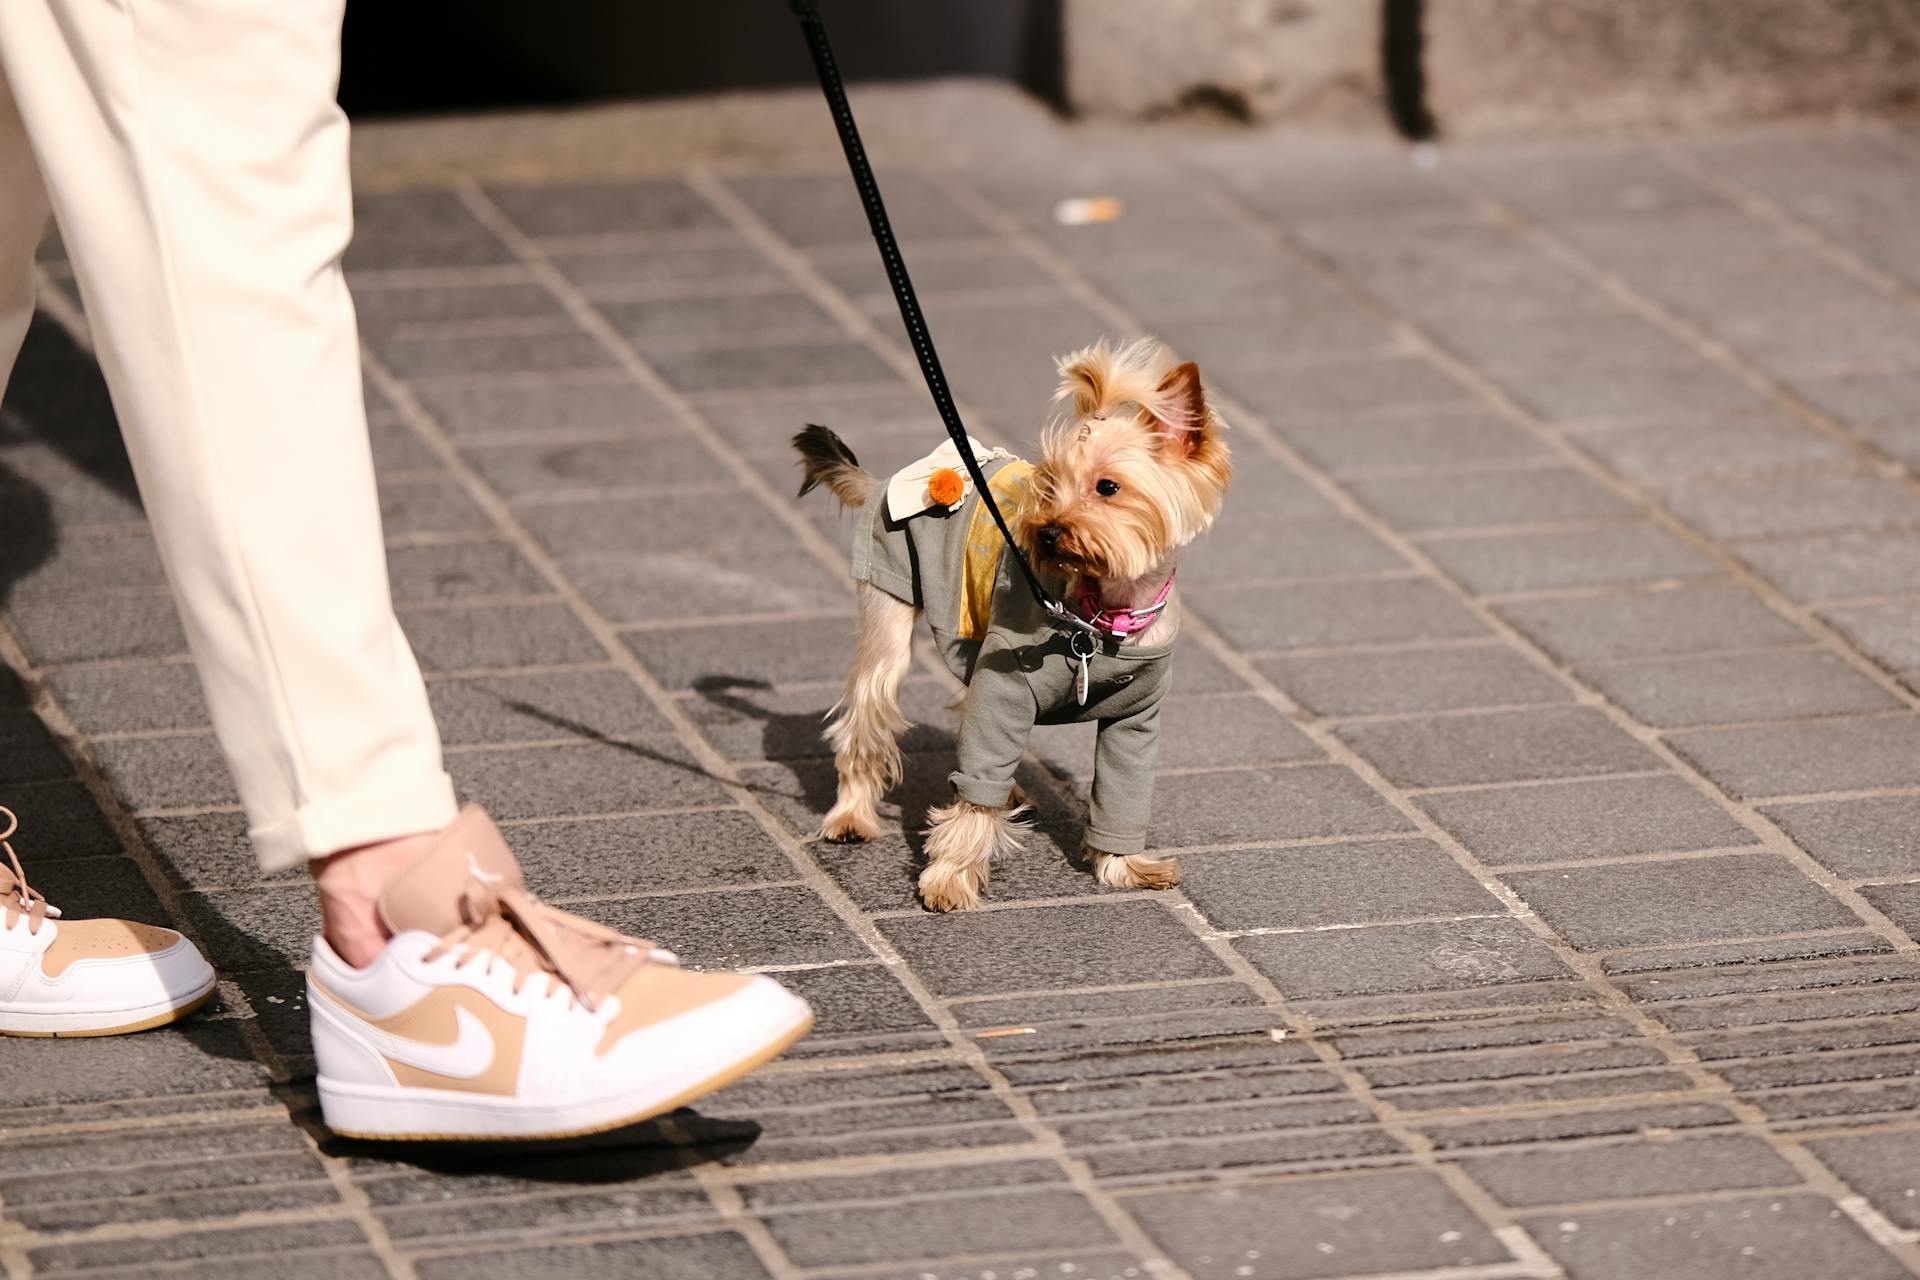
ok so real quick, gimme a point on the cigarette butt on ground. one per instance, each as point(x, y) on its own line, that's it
point(1081, 211)
point(997, 1032)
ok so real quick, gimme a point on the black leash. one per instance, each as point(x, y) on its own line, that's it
point(910, 314)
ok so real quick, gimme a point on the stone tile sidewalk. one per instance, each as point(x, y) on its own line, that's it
point(1545, 765)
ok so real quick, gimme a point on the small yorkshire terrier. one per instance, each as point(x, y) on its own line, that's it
point(1134, 473)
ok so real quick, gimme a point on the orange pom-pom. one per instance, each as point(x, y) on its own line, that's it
point(946, 486)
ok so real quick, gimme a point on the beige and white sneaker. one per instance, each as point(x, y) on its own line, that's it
point(61, 977)
point(493, 1015)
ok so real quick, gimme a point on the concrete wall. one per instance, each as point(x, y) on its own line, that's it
point(1499, 65)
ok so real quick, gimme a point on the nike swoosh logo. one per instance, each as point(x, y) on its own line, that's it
point(468, 1057)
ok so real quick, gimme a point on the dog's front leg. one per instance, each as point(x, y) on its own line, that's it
point(1122, 801)
point(961, 846)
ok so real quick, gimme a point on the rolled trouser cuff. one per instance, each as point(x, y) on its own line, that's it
point(346, 822)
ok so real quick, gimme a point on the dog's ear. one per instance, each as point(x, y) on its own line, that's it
point(1087, 379)
point(1179, 409)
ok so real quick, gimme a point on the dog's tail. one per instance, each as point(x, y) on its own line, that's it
point(827, 461)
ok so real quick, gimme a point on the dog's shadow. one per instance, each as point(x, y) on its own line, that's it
point(795, 740)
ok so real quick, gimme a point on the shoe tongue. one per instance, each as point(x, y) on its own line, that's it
point(469, 854)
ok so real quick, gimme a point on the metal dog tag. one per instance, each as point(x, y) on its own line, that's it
point(1085, 655)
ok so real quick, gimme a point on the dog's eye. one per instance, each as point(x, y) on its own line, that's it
point(1106, 488)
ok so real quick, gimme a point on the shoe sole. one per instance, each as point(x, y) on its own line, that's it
point(160, 1019)
point(785, 1040)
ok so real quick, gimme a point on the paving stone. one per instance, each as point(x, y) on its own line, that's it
point(1301, 803)
point(579, 1210)
point(210, 851)
point(608, 856)
point(1309, 393)
point(711, 521)
point(1692, 900)
point(1808, 757)
point(497, 635)
point(1352, 1224)
point(605, 208)
point(430, 506)
point(1658, 453)
point(1901, 902)
point(857, 1000)
point(1803, 500)
point(121, 699)
point(166, 773)
point(1888, 633)
point(1590, 818)
point(1611, 555)
point(1650, 623)
point(748, 721)
point(81, 630)
point(907, 1228)
point(1838, 565)
point(82, 564)
point(205, 1249)
point(975, 953)
point(691, 1257)
point(1856, 839)
point(621, 272)
point(817, 209)
point(197, 1057)
point(1775, 1238)
point(1315, 615)
point(1497, 746)
point(1619, 1171)
point(1865, 400)
point(649, 587)
point(1575, 392)
point(794, 366)
point(729, 930)
point(809, 649)
point(255, 929)
point(385, 310)
point(28, 751)
point(1545, 495)
point(569, 470)
point(1402, 957)
point(599, 704)
point(1568, 1124)
point(1783, 684)
point(469, 408)
point(460, 570)
point(1753, 951)
point(583, 780)
point(419, 229)
point(58, 819)
point(1320, 885)
point(1440, 679)
point(1879, 1166)
point(1212, 733)
point(774, 315)
point(1349, 448)
point(1259, 548)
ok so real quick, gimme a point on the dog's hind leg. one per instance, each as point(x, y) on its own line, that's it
point(867, 721)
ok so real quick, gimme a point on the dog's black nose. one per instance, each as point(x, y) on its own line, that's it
point(1049, 537)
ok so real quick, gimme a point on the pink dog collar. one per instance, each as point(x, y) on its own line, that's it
point(1120, 623)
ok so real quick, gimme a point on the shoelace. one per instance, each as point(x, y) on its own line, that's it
point(16, 895)
point(515, 927)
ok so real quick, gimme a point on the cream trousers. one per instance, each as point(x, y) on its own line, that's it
point(196, 163)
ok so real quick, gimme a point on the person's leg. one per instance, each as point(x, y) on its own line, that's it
point(23, 222)
point(197, 165)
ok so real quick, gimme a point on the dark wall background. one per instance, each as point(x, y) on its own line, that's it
point(410, 58)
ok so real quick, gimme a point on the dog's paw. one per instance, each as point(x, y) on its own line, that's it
point(944, 888)
point(848, 828)
point(1135, 870)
